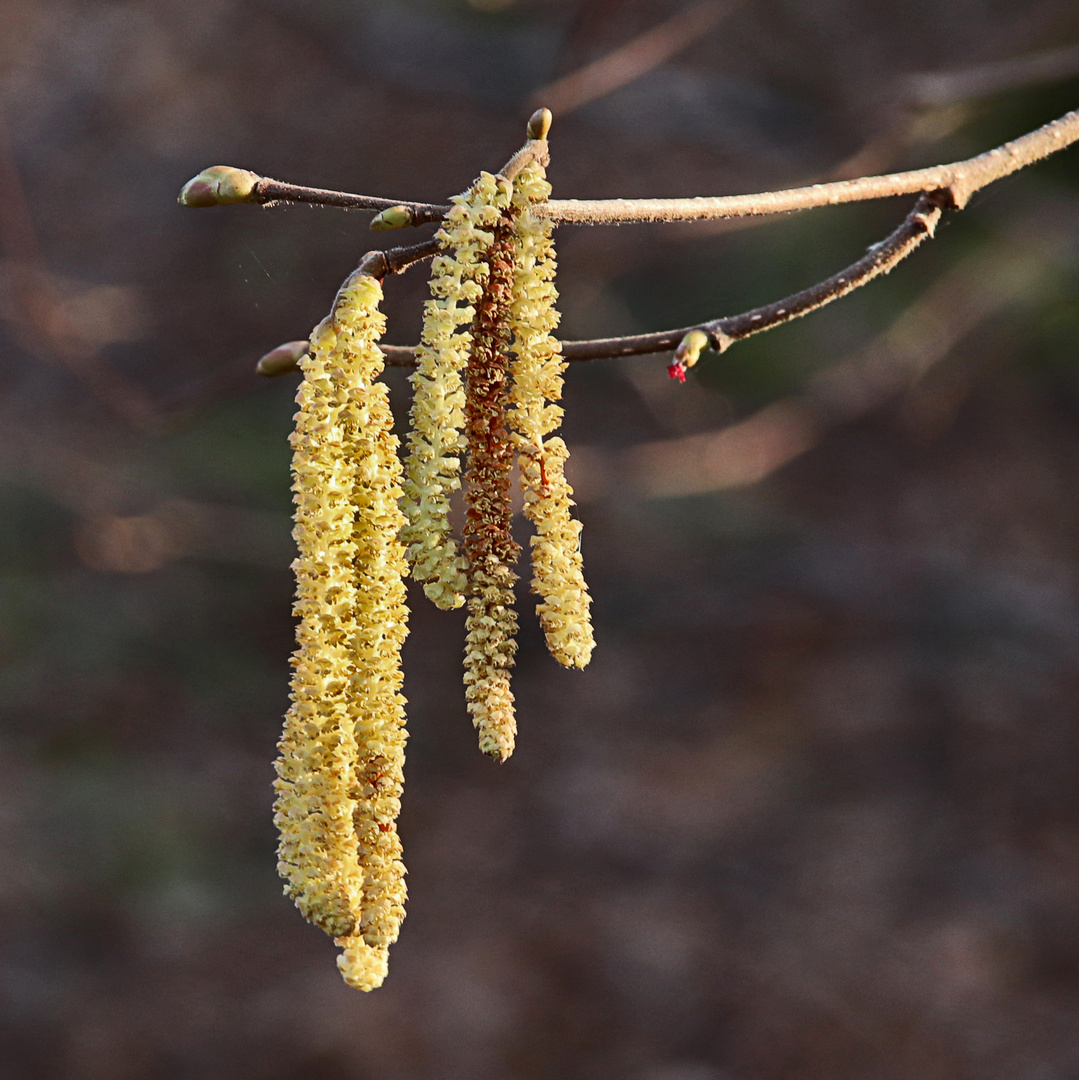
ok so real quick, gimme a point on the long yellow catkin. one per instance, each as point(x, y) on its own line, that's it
point(340, 772)
point(558, 573)
point(436, 442)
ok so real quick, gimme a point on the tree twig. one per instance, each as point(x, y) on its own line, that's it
point(748, 451)
point(958, 181)
point(917, 226)
point(722, 333)
point(942, 186)
point(269, 191)
point(398, 260)
point(262, 190)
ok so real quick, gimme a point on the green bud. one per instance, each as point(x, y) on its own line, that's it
point(690, 347)
point(393, 217)
point(539, 124)
point(219, 185)
point(283, 359)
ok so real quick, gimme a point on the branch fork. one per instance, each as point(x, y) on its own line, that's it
point(940, 187)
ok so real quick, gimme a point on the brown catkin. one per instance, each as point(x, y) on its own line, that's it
point(487, 540)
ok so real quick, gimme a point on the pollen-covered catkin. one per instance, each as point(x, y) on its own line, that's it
point(557, 569)
point(436, 443)
point(492, 553)
point(342, 751)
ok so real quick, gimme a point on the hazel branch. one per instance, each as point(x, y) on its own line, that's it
point(533, 150)
point(942, 187)
point(397, 260)
point(957, 181)
point(722, 333)
point(223, 185)
point(269, 191)
point(917, 226)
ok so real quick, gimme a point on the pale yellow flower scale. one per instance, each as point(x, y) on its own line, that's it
point(489, 651)
point(342, 751)
point(557, 568)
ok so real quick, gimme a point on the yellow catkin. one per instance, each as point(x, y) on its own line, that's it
point(342, 752)
point(436, 443)
point(557, 569)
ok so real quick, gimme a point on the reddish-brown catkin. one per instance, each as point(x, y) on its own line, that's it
point(487, 539)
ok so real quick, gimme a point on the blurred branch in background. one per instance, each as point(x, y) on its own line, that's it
point(59, 326)
point(934, 90)
point(100, 493)
point(632, 60)
point(926, 106)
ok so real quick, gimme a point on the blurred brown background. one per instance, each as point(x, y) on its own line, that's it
point(813, 810)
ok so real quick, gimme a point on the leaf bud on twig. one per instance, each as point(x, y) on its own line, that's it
point(687, 354)
point(539, 124)
point(282, 360)
point(393, 217)
point(219, 185)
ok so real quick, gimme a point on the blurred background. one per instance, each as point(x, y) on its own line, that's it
point(812, 811)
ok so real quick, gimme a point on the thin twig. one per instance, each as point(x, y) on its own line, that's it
point(398, 260)
point(632, 60)
point(879, 259)
point(747, 452)
point(533, 150)
point(943, 186)
point(958, 180)
point(269, 191)
point(917, 226)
